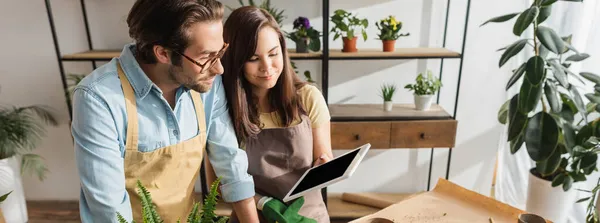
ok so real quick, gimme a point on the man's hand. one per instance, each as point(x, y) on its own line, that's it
point(246, 210)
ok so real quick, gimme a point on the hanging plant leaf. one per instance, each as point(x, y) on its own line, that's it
point(550, 39)
point(541, 136)
point(578, 57)
point(499, 19)
point(503, 112)
point(551, 95)
point(544, 13)
point(591, 77)
point(578, 102)
point(559, 73)
point(550, 165)
point(578, 177)
point(525, 19)
point(512, 50)
point(517, 143)
point(567, 183)
point(558, 180)
point(535, 70)
point(516, 75)
point(517, 120)
point(529, 96)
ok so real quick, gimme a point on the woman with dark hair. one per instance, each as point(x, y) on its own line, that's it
point(281, 122)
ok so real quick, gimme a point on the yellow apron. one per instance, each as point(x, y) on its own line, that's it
point(169, 173)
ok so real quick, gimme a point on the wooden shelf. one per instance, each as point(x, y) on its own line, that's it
point(399, 53)
point(375, 112)
point(106, 55)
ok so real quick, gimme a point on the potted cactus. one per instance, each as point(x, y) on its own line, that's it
point(387, 93)
point(424, 88)
point(346, 25)
point(389, 32)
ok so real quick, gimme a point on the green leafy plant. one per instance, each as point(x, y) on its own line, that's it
point(307, 74)
point(425, 85)
point(548, 114)
point(387, 91)
point(389, 28)
point(20, 131)
point(303, 31)
point(205, 215)
point(73, 80)
point(346, 24)
point(3, 197)
point(591, 211)
point(266, 5)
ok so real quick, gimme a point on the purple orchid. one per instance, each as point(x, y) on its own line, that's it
point(301, 21)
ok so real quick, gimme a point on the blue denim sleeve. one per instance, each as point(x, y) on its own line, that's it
point(228, 160)
point(99, 161)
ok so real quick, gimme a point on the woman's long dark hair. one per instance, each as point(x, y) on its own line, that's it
point(241, 32)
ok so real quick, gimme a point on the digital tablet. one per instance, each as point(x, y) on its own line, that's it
point(339, 168)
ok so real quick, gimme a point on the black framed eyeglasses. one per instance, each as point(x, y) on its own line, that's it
point(210, 62)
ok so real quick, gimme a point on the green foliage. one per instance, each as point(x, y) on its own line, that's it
point(346, 24)
point(592, 213)
point(207, 215)
point(307, 74)
point(20, 131)
point(72, 81)
point(387, 92)
point(389, 28)
point(266, 5)
point(425, 85)
point(305, 32)
point(543, 114)
point(3, 197)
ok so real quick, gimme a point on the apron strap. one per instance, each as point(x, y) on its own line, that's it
point(130, 106)
point(199, 107)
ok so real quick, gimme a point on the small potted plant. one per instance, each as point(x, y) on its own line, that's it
point(387, 93)
point(424, 89)
point(389, 32)
point(346, 24)
point(305, 36)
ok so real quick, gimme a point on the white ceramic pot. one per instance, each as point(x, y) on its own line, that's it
point(387, 105)
point(551, 203)
point(423, 102)
point(14, 208)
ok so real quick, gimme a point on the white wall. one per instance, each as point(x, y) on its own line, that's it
point(29, 75)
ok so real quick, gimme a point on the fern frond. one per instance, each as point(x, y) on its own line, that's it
point(194, 216)
point(210, 203)
point(223, 219)
point(148, 209)
point(121, 218)
point(32, 163)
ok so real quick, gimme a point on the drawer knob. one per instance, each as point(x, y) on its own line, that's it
point(357, 137)
point(423, 136)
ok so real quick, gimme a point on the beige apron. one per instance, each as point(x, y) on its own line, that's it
point(169, 173)
point(277, 158)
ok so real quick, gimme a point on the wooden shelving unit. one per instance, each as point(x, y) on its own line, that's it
point(352, 125)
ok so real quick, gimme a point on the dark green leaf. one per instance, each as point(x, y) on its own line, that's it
point(578, 177)
point(503, 112)
point(559, 73)
point(566, 68)
point(550, 39)
point(548, 2)
point(529, 96)
point(517, 120)
point(558, 180)
point(564, 162)
point(525, 19)
point(517, 143)
point(572, 0)
point(567, 114)
point(3, 197)
point(551, 95)
point(541, 136)
point(588, 170)
point(589, 160)
point(591, 77)
point(512, 50)
point(569, 134)
point(567, 183)
point(578, 57)
point(598, 108)
point(583, 134)
point(502, 18)
point(593, 98)
point(535, 70)
point(544, 14)
point(516, 76)
point(597, 88)
point(583, 199)
point(578, 102)
point(550, 165)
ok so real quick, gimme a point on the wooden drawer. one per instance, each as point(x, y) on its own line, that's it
point(423, 134)
point(350, 135)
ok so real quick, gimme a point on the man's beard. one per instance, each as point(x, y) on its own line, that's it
point(177, 76)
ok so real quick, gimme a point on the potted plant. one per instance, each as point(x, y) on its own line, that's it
point(387, 93)
point(204, 214)
point(423, 90)
point(346, 25)
point(548, 114)
point(305, 36)
point(389, 32)
point(19, 133)
point(266, 5)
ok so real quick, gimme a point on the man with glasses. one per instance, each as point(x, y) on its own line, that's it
point(151, 116)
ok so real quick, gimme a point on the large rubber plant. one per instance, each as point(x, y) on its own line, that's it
point(548, 114)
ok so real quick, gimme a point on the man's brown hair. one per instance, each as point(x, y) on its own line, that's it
point(165, 23)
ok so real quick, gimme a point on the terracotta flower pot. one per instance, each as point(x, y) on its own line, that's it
point(389, 45)
point(349, 44)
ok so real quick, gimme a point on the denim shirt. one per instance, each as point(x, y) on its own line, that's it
point(99, 130)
